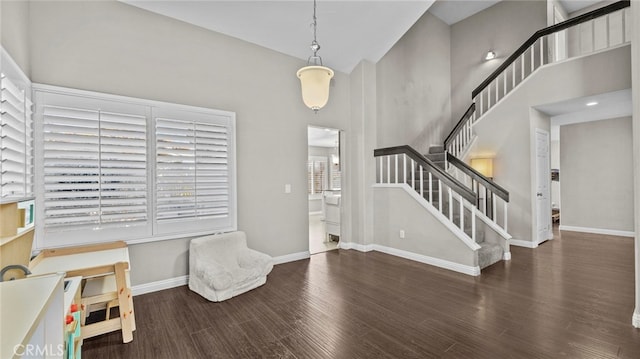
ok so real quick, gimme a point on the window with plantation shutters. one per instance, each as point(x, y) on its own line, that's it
point(193, 169)
point(16, 140)
point(120, 168)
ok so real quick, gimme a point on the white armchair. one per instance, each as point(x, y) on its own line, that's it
point(221, 266)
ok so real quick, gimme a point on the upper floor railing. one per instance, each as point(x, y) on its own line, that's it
point(601, 29)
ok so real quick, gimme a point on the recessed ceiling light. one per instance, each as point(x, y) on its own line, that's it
point(592, 103)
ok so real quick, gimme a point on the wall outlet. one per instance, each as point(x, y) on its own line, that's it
point(287, 188)
point(402, 234)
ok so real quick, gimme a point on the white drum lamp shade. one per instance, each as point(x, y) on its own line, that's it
point(315, 81)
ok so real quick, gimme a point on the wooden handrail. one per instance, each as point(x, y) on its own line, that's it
point(471, 172)
point(547, 31)
point(449, 180)
point(460, 124)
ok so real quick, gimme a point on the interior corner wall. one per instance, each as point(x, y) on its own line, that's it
point(359, 170)
point(413, 87)
point(501, 28)
point(597, 175)
point(112, 47)
point(635, 75)
point(14, 32)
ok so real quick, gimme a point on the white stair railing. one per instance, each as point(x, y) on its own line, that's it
point(404, 165)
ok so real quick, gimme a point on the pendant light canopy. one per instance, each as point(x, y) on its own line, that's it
point(315, 78)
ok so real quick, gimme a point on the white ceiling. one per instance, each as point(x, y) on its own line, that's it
point(349, 31)
point(610, 105)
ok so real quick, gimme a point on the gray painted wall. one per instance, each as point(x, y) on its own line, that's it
point(413, 87)
point(507, 130)
point(597, 174)
point(395, 209)
point(116, 48)
point(14, 32)
point(502, 28)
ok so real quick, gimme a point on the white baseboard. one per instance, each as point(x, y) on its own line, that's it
point(636, 319)
point(291, 257)
point(521, 243)
point(159, 285)
point(506, 256)
point(184, 280)
point(357, 246)
point(436, 262)
point(610, 232)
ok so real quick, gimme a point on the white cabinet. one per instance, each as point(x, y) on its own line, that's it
point(32, 312)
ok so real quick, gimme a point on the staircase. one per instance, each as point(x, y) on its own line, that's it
point(472, 206)
point(489, 252)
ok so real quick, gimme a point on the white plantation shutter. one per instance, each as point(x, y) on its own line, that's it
point(16, 141)
point(194, 181)
point(93, 163)
point(94, 166)
point(116, 168)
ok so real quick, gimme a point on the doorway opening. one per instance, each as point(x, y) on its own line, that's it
point(324, 185)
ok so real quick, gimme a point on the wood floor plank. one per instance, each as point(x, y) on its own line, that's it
point(571, 297)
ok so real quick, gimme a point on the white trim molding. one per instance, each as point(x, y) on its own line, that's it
point(636, 319)
point(184, 280)
point(522, 243)
point(506, 256)
point(610, 232)
point(291, 257)
point(436, 262)
point(357, 246)
point(159, 285)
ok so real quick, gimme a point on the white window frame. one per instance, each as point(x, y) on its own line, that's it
point(150, 231)
point(311, 161)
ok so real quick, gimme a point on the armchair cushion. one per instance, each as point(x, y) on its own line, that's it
point(221, 266)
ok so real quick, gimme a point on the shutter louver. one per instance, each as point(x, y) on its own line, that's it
point(16, 141)
point(192, 170)
point(94, 167)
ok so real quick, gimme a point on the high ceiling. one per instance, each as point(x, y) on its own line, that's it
point(349, 31)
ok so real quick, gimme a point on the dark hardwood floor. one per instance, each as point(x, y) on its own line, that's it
point(571, 297)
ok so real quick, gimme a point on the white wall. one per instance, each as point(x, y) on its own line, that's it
point(506, 131)
point(396, 210)
point(597, 175)
point(359, 168)
point(501, 28)
point(116, 48)
point(413, 92)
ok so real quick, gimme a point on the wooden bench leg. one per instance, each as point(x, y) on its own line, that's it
point(124, 299)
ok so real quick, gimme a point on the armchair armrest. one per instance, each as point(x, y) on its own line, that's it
point(213, 273)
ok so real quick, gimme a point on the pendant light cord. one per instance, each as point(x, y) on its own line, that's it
point(315, 46)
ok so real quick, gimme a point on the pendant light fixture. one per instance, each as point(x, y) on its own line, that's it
point(315, 78)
